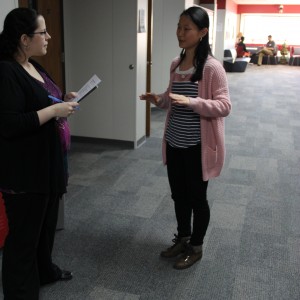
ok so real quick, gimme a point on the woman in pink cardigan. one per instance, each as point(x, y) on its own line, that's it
point(197, 100)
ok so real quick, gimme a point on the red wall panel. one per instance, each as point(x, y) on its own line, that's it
point(231, 6)
point(267, 9)
point(221, 4)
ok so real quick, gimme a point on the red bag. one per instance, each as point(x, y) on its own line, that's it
point(3, 222)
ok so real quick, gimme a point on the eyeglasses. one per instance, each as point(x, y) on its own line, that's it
point(44, 32)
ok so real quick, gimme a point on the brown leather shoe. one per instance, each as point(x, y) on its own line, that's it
point(177, 248)
point(188, 258)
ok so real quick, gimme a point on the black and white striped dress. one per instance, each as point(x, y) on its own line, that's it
point(183, 129)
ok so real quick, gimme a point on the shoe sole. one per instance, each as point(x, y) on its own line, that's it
point(182, 267)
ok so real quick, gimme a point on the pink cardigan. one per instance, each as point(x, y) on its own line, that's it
point(212, 104)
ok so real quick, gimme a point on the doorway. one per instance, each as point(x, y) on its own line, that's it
point(53, 62)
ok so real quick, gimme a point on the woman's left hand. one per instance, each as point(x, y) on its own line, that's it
point(179, 99)
point(70, 96)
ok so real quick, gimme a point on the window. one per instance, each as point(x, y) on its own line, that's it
point(283, 28)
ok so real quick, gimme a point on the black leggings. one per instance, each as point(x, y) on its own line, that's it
point(189, 192)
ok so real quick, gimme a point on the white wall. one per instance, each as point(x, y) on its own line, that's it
point(230, 29)
point(6, 7)
point(226, 31)
point(220, 27)
point(165, 45)
point(101, 38)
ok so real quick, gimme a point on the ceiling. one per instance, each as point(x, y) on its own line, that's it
point(267, 2)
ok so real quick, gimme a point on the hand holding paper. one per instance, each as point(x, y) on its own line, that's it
point(90, 86)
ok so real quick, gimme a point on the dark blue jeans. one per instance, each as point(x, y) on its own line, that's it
point(189, 192)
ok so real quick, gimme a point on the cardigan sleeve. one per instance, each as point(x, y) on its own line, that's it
point(214, 101)
point(15, 117)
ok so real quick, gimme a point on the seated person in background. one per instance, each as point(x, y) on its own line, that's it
point(269, 49)
point(241, 49)
point(238, 38)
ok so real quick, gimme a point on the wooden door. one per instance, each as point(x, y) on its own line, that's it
point(53, 61)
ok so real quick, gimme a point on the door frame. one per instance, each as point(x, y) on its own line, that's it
point(149, 65)
point(52, 11)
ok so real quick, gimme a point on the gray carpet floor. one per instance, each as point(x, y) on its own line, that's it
point(119, 214)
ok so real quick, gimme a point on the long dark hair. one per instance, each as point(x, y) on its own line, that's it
point(200, 18)
point(17, 22)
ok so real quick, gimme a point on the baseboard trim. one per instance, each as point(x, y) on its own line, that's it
point(110, 142)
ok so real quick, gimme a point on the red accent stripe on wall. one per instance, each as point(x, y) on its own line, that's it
point(231, 6)
point(267, 9)
point(221, 4)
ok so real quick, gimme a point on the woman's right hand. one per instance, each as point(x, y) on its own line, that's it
point(65, 109)
point(61, 110)
point(151, 97)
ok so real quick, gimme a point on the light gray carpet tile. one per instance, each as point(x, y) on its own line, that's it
point(104, 293)
point(229, 216)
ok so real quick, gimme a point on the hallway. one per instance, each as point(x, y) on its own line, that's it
point(119, 214)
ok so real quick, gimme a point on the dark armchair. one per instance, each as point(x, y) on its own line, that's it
point(233, 64)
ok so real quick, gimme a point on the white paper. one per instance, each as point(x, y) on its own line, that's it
point(142, 20)
point(87, 88)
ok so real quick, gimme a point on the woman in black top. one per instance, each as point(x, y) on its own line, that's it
point(34, 138)
point(241, 49)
